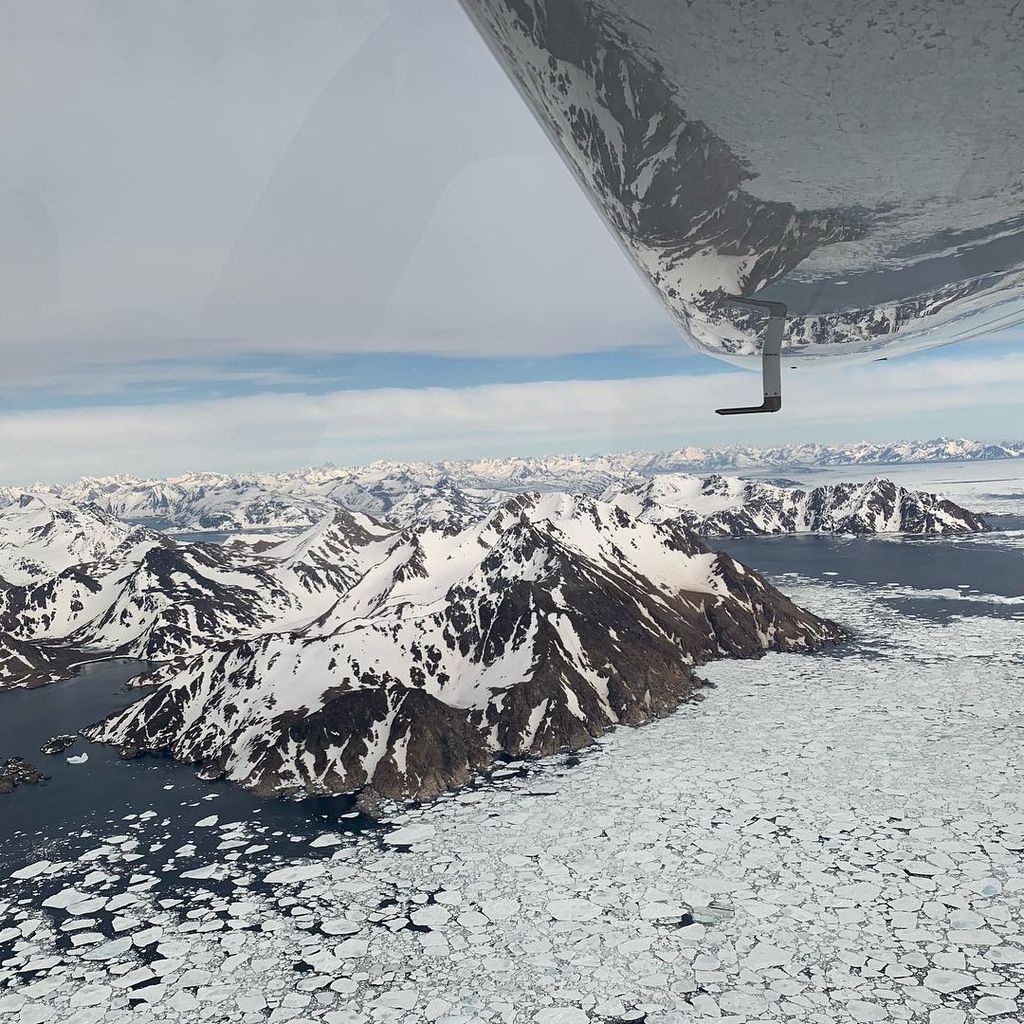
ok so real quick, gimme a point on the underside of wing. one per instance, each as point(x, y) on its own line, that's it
point(862, 164)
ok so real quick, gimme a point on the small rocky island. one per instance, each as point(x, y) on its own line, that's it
point(58, 744)
point(16, 771)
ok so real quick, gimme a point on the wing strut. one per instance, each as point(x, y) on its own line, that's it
point(771, 357)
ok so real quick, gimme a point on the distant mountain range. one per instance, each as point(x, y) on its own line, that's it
point(719, 506)
point(404, 492)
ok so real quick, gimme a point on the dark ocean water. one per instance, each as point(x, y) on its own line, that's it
point(62, 817)
point(986, 563)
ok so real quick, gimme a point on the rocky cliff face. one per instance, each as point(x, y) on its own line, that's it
point(532, 630)
point(31, 664)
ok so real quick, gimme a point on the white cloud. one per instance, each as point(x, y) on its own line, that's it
point(963, 395)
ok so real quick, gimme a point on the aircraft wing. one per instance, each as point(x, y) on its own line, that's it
point(862, 164)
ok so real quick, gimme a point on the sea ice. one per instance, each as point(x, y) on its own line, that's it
point(820, 839)
point(409, 835)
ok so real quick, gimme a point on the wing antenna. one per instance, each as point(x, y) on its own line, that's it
point(771, 357)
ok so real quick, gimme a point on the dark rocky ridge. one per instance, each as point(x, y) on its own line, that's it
point(58, 744)
point(23, 663)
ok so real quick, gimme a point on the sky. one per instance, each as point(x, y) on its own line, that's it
point(249, 235)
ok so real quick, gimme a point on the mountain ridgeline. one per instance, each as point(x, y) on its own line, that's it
point(396, 661)
point(405, 493)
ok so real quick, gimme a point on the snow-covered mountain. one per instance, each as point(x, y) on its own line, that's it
point(395, 659)
point(719, 506)
point(40, 537)
point(454, 493)
point(117, 589)
point(534, 628)
point(78, 583)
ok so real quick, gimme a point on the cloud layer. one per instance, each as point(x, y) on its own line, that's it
point(953, 395)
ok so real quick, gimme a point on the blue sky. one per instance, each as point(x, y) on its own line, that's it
point(258, 236)
point(172, 381)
